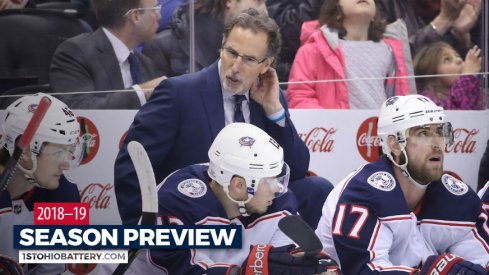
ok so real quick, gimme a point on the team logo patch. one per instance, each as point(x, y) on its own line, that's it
point(193, 188)
point(382, 181)
point(247, 141)
point(454, 185)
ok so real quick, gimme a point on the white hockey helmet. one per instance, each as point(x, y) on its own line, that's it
point(59, 126)
point(242, 149)
point(400, 113)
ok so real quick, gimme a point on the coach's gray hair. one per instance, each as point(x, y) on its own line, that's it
point(257, 22)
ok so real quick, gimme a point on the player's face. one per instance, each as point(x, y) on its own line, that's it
point(51, 162)
point(262, 199)
point(238, 73)
point(424, 149)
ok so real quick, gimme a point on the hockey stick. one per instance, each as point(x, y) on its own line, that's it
point(149, 195)
point(302, 234)
point(24, 141)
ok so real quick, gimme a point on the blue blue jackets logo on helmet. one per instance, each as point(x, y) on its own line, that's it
point(247, 141)
point(32, 108)
point(391, 100)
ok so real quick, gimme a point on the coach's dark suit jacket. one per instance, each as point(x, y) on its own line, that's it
point(177, 126)
point(87, 62)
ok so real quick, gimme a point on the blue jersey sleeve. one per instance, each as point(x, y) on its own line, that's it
point(370, 205)
point(185, 199)
point(483, 220)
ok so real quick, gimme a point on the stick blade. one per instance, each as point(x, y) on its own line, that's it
point(301, 233)
point(144, 171)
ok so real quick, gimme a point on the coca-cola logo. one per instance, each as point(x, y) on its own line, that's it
point(464, 141)
point(319, 139)
point(121, 141)
point(368, 142)
point(90, 135)
point(96, 194)
point(81, 269)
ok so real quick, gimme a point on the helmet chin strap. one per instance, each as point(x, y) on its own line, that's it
point(29, 174)
point(242, 209)
point(241, 204)
point(404, 168)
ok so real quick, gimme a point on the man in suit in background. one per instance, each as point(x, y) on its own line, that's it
point(105, 59)
point(185, 113)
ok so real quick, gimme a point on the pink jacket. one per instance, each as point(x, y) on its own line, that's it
point(321, 58)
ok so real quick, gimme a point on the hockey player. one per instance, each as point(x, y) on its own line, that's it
point(401, 214)
point(245, 184)
point(39, 177)
point(483, 223)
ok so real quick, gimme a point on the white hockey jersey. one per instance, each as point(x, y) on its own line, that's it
point(368, 228)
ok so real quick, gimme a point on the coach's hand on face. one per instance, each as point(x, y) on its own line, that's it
point(265, 91)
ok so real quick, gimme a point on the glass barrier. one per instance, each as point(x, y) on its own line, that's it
point(189, 38)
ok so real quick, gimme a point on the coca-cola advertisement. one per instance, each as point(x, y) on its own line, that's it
point(368, 143)
point(97, 195)
point(339, 141)
point(464, 141)
point(95, 178)
point(319, 139)
point(89, 134)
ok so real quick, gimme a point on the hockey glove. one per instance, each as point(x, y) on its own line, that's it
point(266, 259)
point(448, 264)
point(9, 266)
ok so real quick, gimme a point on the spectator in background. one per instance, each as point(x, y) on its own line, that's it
point(105, 59)
point(289, 15)
point(184, 115)
point(452, 92)
point(429, 21)
point(167, 8)
point(55, 148)
point(170, 50)
point(347, 43)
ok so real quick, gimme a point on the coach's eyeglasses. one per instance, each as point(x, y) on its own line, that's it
point(156, 9)
point(247, 60)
